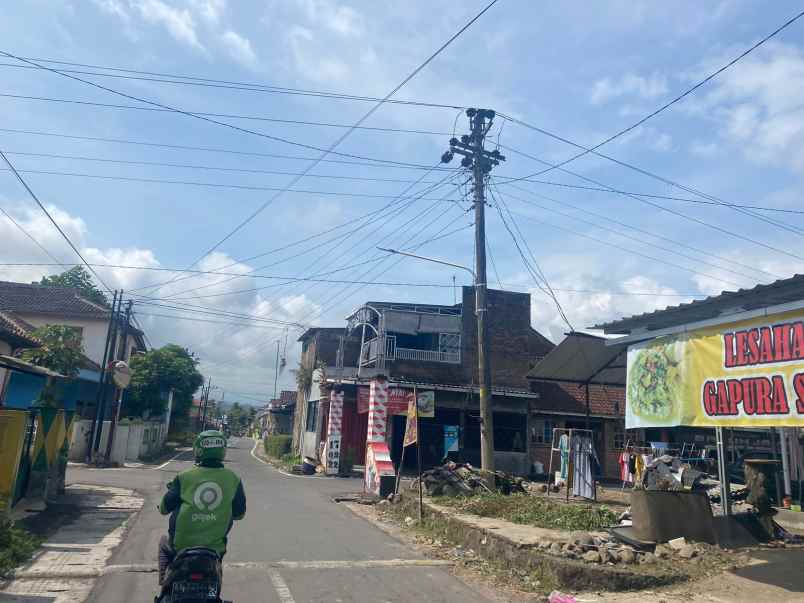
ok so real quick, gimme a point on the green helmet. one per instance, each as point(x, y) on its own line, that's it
point(209, 445)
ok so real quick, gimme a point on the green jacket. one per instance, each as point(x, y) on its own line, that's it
point(203, 503)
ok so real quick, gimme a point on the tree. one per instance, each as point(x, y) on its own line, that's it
point(61, 350)
point(78, 278)
point(156, 372)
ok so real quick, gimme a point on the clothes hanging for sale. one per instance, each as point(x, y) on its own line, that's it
point(632, 464)
point(625, 473)
point(563, 451)
point(639, 467)
point(583, 456)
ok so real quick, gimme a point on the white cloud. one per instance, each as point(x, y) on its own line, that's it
point(630, 85)
point(179, 22)
point(759, 104)
point(239, 48)
point(216, 344)
point(210, 10)
point(704, 149)
point(334, 16)
point(114, 7)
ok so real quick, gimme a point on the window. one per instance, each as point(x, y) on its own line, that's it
point(449, 343)
point(312, 415)
point(541, 431)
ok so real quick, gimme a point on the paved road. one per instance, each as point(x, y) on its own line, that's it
point(303, 547)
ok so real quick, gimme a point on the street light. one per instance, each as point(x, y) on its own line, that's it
point(434, 260)
point(486, 421)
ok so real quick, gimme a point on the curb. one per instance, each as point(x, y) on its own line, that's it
point(569, 573)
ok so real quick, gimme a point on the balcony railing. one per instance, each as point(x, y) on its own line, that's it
point(428, 355)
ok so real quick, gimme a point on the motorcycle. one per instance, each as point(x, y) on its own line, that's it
point(194, 576)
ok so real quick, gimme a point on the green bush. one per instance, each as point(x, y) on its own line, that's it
point(16, 546)
point(277, 446)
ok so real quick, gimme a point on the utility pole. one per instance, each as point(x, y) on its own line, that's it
point(276, 369)
point(100, 397)
point(121, 353)
point(205, 399)
point(480, 161)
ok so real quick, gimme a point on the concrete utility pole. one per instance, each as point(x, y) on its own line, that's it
point(205, 400)
point(481, 162)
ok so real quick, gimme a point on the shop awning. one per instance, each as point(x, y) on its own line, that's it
point(583, 358)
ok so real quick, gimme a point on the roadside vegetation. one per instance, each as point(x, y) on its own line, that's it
point(279, 449)
point(17, 545)
point(533, 511)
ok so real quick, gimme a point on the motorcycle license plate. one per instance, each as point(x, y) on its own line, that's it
point(195, 589)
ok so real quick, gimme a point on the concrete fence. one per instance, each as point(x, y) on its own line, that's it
point(132, 440)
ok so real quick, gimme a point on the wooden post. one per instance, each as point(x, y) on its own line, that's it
point(418, 447)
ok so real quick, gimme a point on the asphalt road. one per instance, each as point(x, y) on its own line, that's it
point(294, 546)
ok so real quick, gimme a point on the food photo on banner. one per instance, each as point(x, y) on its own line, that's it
point(742, 374)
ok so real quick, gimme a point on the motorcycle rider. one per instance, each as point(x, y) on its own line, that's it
point(203, 502)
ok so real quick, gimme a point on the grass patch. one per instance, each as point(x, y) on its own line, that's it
point(16, 546)
point(278, 446)
point(288, 460)
point(534, 511)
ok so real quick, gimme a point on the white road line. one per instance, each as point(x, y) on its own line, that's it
point(280, 587)
point(277, 469)
point(165, 464)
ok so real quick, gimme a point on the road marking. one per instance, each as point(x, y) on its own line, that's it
point(281, 587)
point(163, 465)
point(277, 469)
point(83, 572)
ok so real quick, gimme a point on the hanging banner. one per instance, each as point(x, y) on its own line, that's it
point(412, 427)
point(450, 439)
point(743, 374)
point(398, 401)
point(12, 438)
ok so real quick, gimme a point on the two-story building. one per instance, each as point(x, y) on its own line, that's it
point(429, 348)
point(35, 305)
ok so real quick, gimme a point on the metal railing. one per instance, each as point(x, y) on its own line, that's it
point(428, 355)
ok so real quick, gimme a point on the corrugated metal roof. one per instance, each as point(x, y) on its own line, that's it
point(775, 293)
point(582, 358)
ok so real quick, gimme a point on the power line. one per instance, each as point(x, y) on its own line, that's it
point(211, 184)
point(178, 147)
point(289, 245)
point(411, 199)
point(742, 237)
point(660, 179)
point(50, 217)
point(511, 180)
point(213, 168)
point(619, 233)
point(24, 231)
point(276, 120)
point(678, 98)
point(215, 322)
point(225, 84)
point(325, 152)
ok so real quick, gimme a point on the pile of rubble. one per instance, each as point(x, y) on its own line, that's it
point(669, 473)
point(462, 479)
point(602, 549)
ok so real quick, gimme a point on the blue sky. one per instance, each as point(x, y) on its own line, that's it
point(580, 70)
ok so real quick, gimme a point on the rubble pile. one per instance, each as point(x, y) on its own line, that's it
point(462, 479)
point(668, 473)
point(604, 550)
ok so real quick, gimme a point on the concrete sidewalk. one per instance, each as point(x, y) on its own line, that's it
point(63, 569)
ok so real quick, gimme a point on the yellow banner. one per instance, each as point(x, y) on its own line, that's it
point(747, 374)
point(12, 437)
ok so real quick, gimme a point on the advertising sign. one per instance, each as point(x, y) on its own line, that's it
point(744, 374)
point(398, 401)
point(450, 439)
point(412, 427)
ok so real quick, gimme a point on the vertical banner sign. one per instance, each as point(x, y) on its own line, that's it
point(412, 427)
point(379, 476)
point(450, 439)
point(742, 374)
point(12, 438)
point(333, 452)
